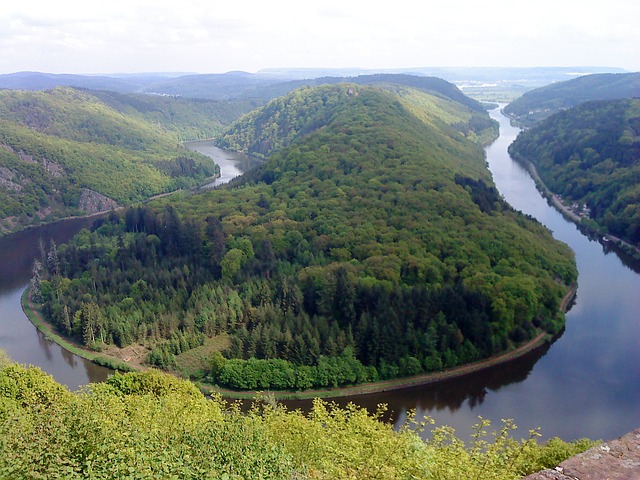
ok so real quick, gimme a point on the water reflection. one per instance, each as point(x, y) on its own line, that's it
point(22, 341)
point(468, 392)
point(586, 384)
point(18, 337)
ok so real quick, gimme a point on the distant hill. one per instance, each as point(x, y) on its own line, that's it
point(224, 86)
point(543, 102)
point(590, 154)
point(188, 118)
point(45, 81)
point(445, 103)
point(428, 84)
point(486, 83)
point(67, 151)
point(266, 87)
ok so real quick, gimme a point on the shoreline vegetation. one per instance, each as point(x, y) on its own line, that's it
point(555, 200)
point(368, 277)
point(592, 221)
point(200, 186)
point(33, 314)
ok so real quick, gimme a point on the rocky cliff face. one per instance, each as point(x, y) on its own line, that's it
point(93, 202)
point(618, 459)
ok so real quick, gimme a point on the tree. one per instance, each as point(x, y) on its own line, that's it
point(53, 262)
point(231, 263)
point(36, 280)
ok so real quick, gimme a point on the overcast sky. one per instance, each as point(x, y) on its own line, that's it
point(215, 36)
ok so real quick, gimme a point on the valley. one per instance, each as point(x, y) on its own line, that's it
point(164, 235)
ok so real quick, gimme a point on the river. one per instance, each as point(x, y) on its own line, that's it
point(587, 384)
point(18, 337)
point(231, 164)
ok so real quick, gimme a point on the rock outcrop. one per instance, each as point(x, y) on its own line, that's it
point(93, 202)
point(615, 460)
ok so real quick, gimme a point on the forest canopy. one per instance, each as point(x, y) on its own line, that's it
point(590, 155)
point(68, 151)
point(539, 104)
point(370, 244)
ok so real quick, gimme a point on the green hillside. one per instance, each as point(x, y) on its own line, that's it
point(543, 102)
point(66, 152)
point(153, 426)
point(371, 244)
point(285, 119)
point(590, 155)
point(188, 118)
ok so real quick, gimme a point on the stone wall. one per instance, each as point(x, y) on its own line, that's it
point(615, 460)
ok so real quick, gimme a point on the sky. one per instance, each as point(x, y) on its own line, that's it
point(214, 36)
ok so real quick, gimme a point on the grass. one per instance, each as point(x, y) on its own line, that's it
point(193, 363)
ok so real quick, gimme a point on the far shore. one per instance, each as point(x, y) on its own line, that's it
point(116, 363)
point(569, 214)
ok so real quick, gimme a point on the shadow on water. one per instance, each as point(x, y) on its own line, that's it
point(587, 383)
point(18, 337)
point(469, 391)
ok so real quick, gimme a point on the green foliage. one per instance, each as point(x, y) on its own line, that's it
point(277, 374)
point(186, 118)
point(590, 155)
point(151, 425)
point(373, 246)
point(61, 143)
point(539, 104)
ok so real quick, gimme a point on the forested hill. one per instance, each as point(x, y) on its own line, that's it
point(67, 151)
point(543, 102)
point(188, 118)
point(373, 245)
point(285, 119)
point(433, 85)
point(590, 155)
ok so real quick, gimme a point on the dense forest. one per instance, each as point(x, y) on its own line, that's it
point(370, 244)
point(590, 155)
point(68, 151)
point(541, 103)
point(284, 119)
point(154, 426)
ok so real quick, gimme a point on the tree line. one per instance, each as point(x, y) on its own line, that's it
point(371, 248)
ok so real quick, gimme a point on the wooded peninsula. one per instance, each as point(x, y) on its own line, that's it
point(590, 155)
point(371, 244)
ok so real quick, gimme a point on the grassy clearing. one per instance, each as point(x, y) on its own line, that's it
point(193, 363)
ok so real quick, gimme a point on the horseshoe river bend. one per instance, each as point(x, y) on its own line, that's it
point(585, 384)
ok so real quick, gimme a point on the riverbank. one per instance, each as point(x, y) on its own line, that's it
point(390, 385)
point(35, 317)
point(117, 363)
point(569, 214)
point(407, 382)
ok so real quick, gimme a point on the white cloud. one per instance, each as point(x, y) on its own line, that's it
point(198, 35)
